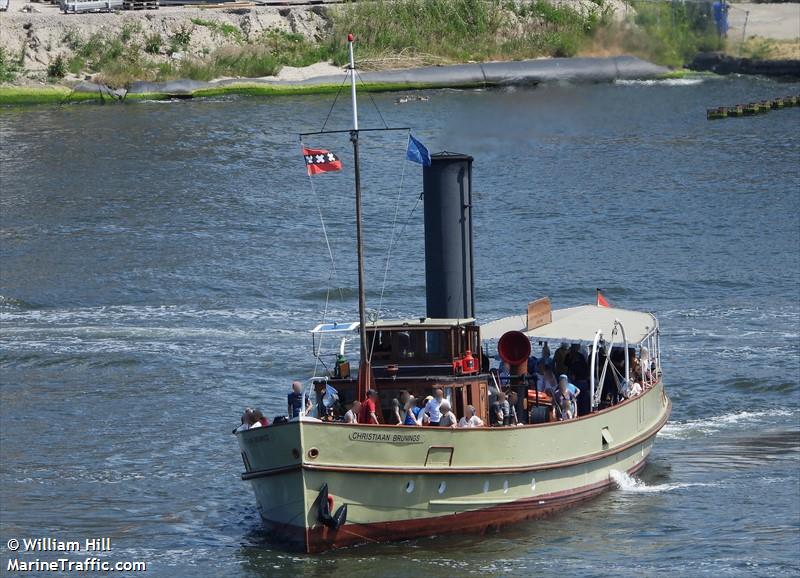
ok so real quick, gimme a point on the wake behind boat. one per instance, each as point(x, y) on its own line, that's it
point(534, 441)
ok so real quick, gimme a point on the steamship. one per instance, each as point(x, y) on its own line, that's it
point(327, 484)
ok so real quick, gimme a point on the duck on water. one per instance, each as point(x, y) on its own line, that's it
point(323, 483)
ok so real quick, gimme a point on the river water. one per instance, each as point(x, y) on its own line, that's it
point(162, 263)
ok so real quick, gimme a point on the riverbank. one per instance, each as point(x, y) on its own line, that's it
point(47, 56)
point(475, 75)
point(199, 43)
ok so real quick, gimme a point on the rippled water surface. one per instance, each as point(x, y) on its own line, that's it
point(161, 264)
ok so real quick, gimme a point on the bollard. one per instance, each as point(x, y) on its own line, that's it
point(715, 113)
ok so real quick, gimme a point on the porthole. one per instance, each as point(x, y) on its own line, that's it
point(505, 486)
point(442, 487)
point(409, 487)
point(486, 487)
point(313, 453)
point(533, 484)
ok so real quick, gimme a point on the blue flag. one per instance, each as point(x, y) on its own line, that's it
point(417, 153)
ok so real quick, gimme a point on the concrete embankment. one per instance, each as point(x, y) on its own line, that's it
point(519, 73)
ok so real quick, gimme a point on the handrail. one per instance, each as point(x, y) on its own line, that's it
point(597, 337)
point(617, 322)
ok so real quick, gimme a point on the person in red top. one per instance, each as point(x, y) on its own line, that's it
point(369, 409)
point(259, 417)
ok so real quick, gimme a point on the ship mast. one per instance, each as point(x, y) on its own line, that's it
point(364, 370)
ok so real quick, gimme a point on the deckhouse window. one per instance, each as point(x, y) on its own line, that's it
point(413, 346)
point(437, 346)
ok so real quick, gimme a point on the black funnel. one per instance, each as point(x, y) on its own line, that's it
point(447, 186)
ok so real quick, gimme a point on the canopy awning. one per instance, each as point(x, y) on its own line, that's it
point(336, 327)
point(578, 324)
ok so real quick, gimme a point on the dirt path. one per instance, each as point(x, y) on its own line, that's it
point(775, 21)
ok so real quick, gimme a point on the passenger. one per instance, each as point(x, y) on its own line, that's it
point(470, 419)
point(448, 418)
point(565, 409)
point(578, 371)
point(548, 382)
point(496, 411)
point(576, 362)
point(258, 418)
point(413, 413)
point(644, 363)
point(559, 358)
point(513, 398)
point(247, 421)
point(396, 418)
point(533, 364)
point(568, 390)
point(432, 407)
point(504, 372)
point(501, 410)
point(546, 354)
point(351, 415)
point(295, 400)
point(633, 365)
point(369, 408)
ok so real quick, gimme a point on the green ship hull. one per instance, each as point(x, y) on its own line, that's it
point(403, 482)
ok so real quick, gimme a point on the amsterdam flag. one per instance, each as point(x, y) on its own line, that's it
point(321, 161)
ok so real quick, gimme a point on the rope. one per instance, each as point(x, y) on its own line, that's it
point(399, 235)
point(338, 92)
point(369, 94)
point(332, 276)
point(391, 246)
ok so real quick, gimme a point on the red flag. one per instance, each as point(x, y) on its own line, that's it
point(601, 301)
point(321, 161)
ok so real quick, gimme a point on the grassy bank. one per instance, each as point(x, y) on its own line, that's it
point(670, 33)
point(397, 33)
point(119, 60)
point(390, 34)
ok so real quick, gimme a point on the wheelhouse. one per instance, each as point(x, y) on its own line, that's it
point(415, 355)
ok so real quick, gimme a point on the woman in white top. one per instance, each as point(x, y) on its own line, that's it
point(351, 416)
point(470, 420)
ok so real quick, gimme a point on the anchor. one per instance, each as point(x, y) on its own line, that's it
point(324, 505)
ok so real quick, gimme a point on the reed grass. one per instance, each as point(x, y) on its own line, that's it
point(462, 30)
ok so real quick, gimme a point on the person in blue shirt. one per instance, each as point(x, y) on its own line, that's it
point(720, 10)
point(413, 416)
point(295, 400)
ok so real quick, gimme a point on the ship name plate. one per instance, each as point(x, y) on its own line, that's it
point(387, 438)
